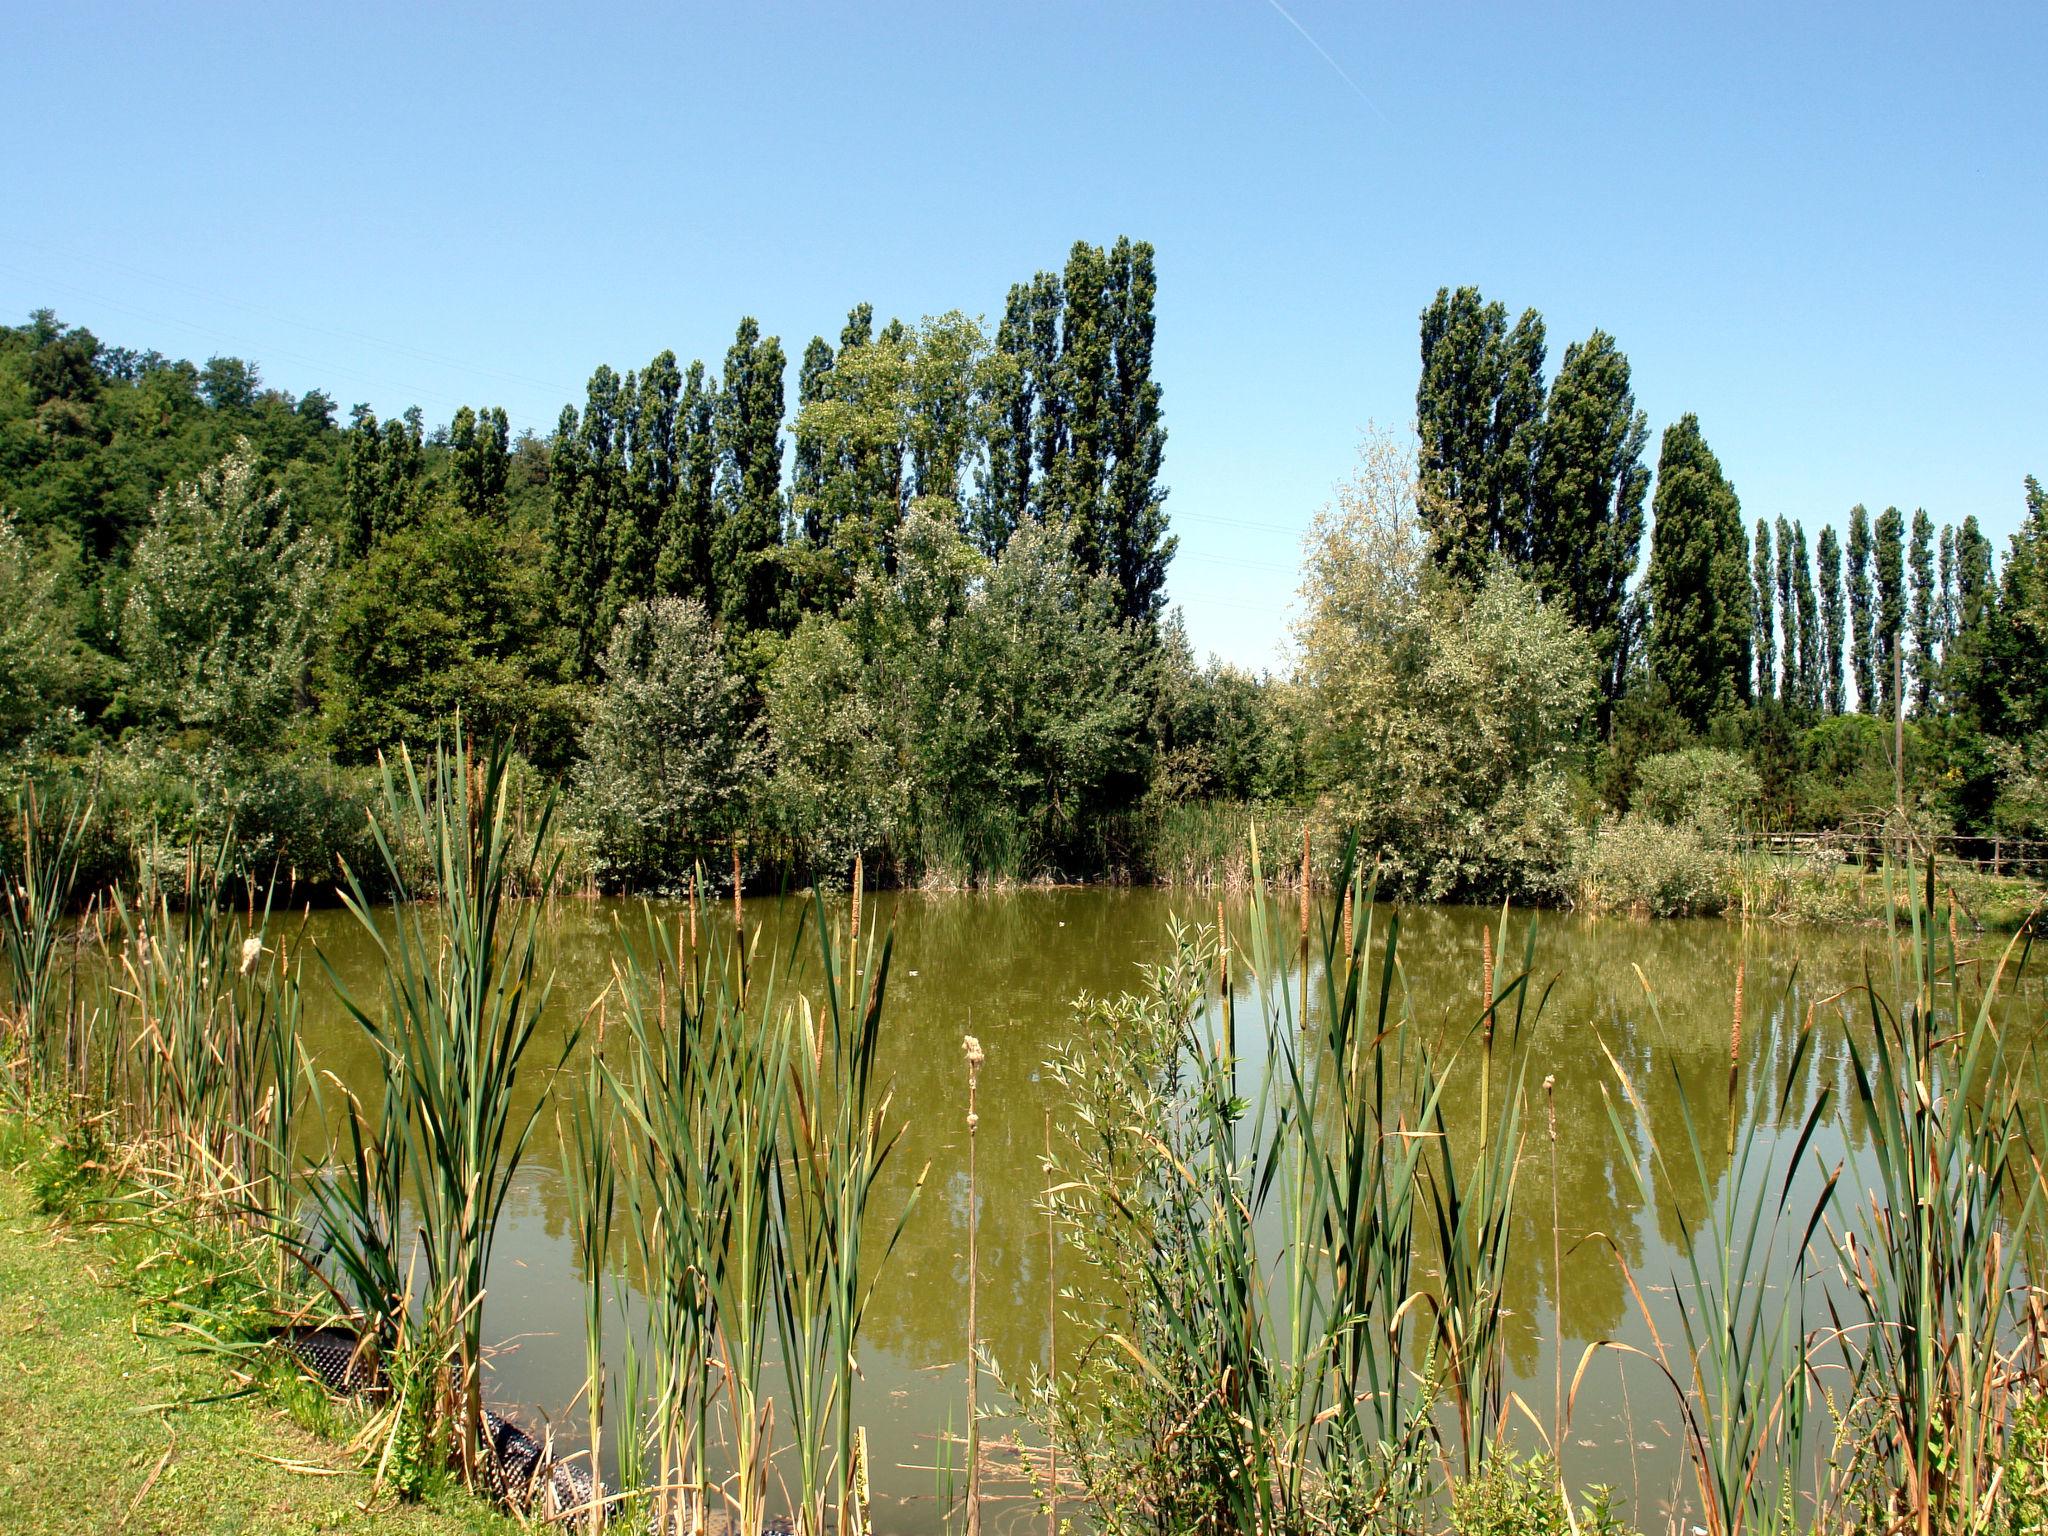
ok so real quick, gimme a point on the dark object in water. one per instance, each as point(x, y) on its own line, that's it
point(519, 1470)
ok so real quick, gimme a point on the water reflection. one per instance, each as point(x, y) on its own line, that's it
point(1005, 967)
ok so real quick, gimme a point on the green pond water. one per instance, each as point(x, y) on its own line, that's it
point(1005, 967)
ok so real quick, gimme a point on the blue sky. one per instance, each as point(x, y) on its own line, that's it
point(1820, 228)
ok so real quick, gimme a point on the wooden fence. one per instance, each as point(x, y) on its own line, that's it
point(1870, 846)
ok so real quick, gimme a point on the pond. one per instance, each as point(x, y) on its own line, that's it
point(1005, 968)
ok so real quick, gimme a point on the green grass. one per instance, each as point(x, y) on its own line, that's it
point(106, 1428)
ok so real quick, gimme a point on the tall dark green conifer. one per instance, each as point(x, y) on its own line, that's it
point(1834, 622)
point(1889, 633)
point(1699, 585)
point(1590, 483)
point(748, 534)
point(1763, 642)
point(1862, 612)
point(1925, 618)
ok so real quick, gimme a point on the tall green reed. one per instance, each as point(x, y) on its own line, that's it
point(759, 1133)
point(1741, 1370)
point(216, 1009)
point(462, 997)
point(1950, 1215)
point(37, 895)
point(1253, 1191)
point(1472, 1205)
point(593, 1185)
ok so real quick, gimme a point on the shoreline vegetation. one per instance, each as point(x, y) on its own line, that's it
point(916, 616)
point(1297, 1248)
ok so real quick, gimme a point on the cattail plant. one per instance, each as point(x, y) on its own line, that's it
point(841, 1132)
point(970, 1050)
point(1473, 1210)
point(1742, 1369)
point(37, 895)
point(592, 1185)
point(462, 996)
point(1950, 1214)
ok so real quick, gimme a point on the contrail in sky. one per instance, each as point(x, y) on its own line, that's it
point(1288, 16)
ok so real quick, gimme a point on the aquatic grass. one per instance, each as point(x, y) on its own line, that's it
point(1473, 1211)
point(217, 1016)
point(592, 1183)
point(1952, 1204)
point(36, 897)
point(462, 997)
point(1741, 1370)
point(1252, 1371)
point(840, 1135)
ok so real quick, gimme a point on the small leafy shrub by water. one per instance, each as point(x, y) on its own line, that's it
point(1513, 1497)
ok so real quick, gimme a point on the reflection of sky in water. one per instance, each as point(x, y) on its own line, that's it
point(1004, 967)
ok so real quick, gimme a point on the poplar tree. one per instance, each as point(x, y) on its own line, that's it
point(1833, 621)
point(812, 573)
point(480, 453)
point(1862, 611)
point(574, 539)
point(1590, 483)
point(682, 568)
point(1699, 589)
point(1134, 542)
point(748, 533)
point(648, 404)
point(362, 482)
point(1010, 405)
point(1763, 644)
point(2012, 693)
point(1789, 683)
point(1479, 410)
point(1812, 684)
point(382, 466)
point(1889, 558)
point(1087, 340)
point(1925, 614)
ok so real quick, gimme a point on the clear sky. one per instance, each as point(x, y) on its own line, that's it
point(1822, 228)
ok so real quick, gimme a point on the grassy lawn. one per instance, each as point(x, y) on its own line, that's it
point(102, 1428)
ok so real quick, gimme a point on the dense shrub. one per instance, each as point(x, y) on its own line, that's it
point(1649, 868)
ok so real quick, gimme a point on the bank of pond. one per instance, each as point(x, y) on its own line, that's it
point(1152, 1209)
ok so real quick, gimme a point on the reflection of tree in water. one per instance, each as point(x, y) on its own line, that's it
point(1006, 967)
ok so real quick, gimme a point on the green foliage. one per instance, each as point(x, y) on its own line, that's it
point(1513, 1497)
point(1712, 789)
point(839, 787)
point(667, 762)
point(447, 616)
point(225, 596)
point(1639, 865)
point(43, 666)
point(1700, 598)
point(1438, 720)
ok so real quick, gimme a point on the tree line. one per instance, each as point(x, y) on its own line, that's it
point(1739, 636)
point(902, 596)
